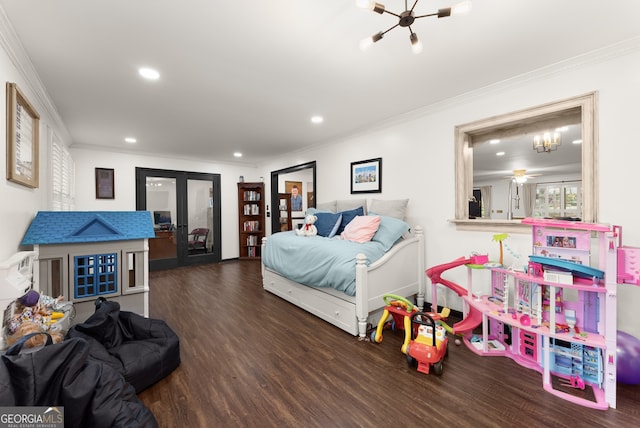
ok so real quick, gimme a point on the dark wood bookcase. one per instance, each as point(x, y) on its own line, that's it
point(251, 220)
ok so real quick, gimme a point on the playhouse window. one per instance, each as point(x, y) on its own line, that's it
point(95, 275)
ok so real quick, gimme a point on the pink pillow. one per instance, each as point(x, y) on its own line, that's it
point(361, 228)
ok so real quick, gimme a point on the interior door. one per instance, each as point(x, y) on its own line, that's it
point(186, 214)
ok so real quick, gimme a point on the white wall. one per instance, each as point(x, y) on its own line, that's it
point(124, 166)
point(418, 159)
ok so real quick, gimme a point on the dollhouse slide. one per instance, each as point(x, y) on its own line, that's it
point(474, 317)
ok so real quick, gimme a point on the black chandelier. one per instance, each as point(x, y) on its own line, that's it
point(406, 19)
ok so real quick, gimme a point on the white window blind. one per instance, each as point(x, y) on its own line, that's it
point(62, 177)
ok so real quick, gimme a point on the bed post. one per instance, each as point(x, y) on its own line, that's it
point(362, 298)
point(264, 244)
point(419, 233)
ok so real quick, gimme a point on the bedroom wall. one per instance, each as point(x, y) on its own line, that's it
point(418, 159)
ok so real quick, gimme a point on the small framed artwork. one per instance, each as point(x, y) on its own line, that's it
point(23, 126)
point(366, 176)
point(104, 183)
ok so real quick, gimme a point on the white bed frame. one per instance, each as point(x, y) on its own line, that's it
point(400, 271)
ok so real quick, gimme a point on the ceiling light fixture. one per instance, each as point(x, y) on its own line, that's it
point(237, 154)
point(547, 142)
point(317, 119)
point(130, 140)
point(149, 73)
point(406, 18)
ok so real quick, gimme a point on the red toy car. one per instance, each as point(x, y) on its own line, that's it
point(429, 344)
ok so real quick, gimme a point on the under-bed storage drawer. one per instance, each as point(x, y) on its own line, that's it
point(330, 308)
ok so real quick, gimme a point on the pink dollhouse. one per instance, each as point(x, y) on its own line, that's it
point(558, 316)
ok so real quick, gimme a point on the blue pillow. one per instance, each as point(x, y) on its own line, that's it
point(327, 223)
point(347, 216)
point(390, 230)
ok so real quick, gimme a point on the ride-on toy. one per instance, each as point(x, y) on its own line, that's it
point(429, 343)
point(400, 309)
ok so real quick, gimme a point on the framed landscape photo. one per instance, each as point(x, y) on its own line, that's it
point(104, 183)
point(366, 176)
point(23, 127)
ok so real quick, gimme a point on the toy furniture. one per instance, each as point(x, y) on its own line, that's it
point(559, 316)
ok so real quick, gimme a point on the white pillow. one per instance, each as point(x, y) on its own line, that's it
point(396, 208)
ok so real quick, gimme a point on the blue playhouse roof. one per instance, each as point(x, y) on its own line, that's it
point(74, 227)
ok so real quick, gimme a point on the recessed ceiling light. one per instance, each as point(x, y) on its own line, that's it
point(500, 154)
point(494, 141)
point(237, 154)
point(149, 73)
point(317, 119)
point(130, 140)
point(577, 141)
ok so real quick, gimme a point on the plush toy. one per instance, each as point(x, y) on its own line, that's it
point(308, 229)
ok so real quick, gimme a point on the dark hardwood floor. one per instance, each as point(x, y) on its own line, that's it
point(250, 359)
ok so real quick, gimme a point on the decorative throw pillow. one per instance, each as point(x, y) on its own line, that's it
point(390, 230)
point(347, 216)
point(361, 228)
point(396, 208)
point(350, 204)
point(327, 223)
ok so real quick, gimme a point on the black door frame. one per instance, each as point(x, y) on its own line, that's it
point(182, 177)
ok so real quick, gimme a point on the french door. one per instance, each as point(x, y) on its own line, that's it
point(186, 214)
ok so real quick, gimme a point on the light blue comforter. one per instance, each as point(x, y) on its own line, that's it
point(318, 261)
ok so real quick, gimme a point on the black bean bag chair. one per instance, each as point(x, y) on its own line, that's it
point(64, 375)
point(144, 350)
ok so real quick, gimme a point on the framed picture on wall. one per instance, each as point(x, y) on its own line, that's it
point(104, 183)
point(23, 125)
point(366, 176)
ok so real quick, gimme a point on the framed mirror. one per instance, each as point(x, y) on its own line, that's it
point(574, 119)
point(297, 183)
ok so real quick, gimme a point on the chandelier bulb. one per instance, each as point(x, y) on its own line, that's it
point(462, 7)
point(416, 44)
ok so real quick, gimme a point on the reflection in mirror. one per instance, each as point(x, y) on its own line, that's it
point(507, 170)
point(292, 193)
point(513, 179)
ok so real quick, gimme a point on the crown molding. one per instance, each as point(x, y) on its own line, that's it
point(11, 44)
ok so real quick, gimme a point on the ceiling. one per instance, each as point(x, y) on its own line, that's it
point(248, 75)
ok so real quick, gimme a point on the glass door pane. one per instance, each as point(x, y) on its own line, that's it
point(200, 217)
point(161, 201)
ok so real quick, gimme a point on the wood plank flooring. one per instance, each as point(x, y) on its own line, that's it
point(250, 359)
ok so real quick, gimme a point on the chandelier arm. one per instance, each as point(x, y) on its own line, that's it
point(385, 32)
point(412, 7)
point(391, 13)
point(424, 16)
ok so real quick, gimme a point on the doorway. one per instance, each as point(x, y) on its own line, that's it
point(186, 216)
